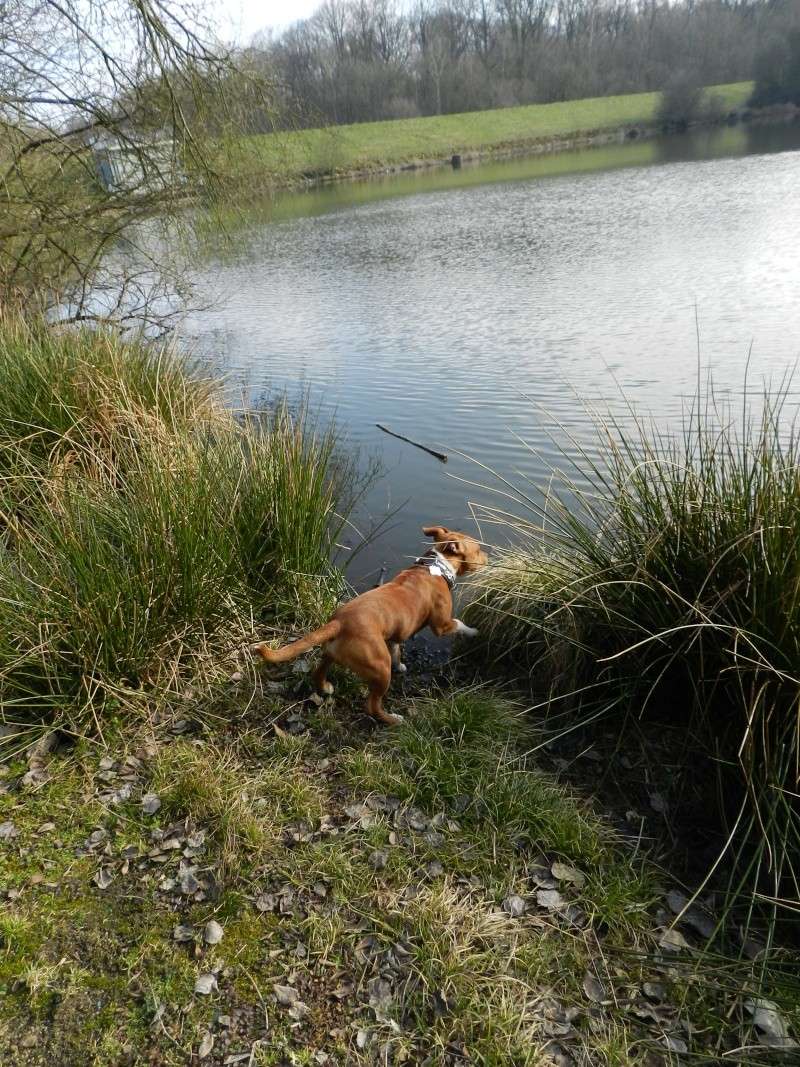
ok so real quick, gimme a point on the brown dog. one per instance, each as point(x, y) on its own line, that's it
point(365, 634)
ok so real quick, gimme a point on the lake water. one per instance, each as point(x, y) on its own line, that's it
point(475, 311)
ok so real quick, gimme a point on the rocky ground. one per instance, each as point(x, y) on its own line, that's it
point(255, 879)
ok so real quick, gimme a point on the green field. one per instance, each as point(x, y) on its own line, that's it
point(374, 145)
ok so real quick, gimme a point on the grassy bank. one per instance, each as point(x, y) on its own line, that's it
point(376, 145)
point(665, 590)
point(203, 866)
point(285, 886)
point(143, 526)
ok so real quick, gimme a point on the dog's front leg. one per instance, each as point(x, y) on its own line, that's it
point(452, 627)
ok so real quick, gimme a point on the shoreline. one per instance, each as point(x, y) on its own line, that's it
point(202, 861)
point(580, 139)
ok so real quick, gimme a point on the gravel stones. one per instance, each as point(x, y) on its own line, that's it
point(515, 906)
point(213, 932)
point(206, 984)
point(150, 803)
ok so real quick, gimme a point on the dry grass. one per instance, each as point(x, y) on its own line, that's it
point(142, 525)
point(661, 581)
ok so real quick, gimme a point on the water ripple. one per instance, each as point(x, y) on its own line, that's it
point(458, 316)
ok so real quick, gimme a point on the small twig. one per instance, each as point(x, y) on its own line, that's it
point(254, 984)
point(441, 456)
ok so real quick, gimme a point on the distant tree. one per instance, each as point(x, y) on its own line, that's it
point(680, 101)
point(777, 72)
point(368, 59)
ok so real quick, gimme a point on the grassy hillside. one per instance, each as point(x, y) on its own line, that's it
point(372, 145)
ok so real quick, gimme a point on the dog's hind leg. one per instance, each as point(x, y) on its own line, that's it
point(377, 690)
point(397, 664)
point(371, 661)
point(378, 675)
point(319, 677)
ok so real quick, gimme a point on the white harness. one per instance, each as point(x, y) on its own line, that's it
point(435, 562)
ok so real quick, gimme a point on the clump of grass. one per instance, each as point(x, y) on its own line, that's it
point(664, 580)
point(140, 522)
point(243, 803)
point(465, 753)
point(207, 786)
point(60, 390)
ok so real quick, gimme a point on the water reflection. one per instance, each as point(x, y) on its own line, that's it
point(457, 307)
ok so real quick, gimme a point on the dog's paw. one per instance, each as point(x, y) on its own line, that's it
point(392, 719)
point(326, 688)
point(401, 668)
point(470, 631)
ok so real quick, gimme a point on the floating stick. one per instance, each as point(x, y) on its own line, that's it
point(436, 455)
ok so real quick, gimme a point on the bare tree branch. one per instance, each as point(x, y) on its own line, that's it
point(114, 122)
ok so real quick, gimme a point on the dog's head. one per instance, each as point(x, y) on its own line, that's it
point(462, 552)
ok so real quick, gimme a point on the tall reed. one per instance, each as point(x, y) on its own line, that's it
point(140, 521)
point(664, 579)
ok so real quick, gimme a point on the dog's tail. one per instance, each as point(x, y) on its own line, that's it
point(297, 648)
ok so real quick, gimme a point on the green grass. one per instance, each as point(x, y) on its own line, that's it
point(417, 961)
point(373, 145)
point(244, 811)
point(661, 583)
point(142, 525)
point(143, 531)
point(464, 753)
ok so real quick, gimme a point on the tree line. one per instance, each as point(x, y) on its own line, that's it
point(363, 60)
point(146, 85)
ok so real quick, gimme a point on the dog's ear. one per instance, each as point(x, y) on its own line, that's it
point(438, 533)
